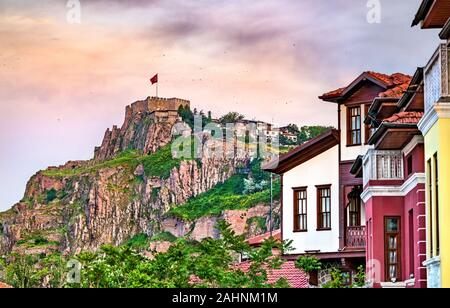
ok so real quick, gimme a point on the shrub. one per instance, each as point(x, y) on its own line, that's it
point(161, 163)
point(308, 264)
point(50, 195)
point(164, 237)
point(138, 242)
point(40, 240)
point(337, 280)
point(225, 196)
point(360, 278)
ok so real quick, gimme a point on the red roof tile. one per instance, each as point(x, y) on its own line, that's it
point(405, 118)
point(295, 277)
point(258, 240)
point(396, 85)
point(4, 286)
point(334, 94)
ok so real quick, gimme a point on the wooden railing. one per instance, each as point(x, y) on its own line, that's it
point(356, 237)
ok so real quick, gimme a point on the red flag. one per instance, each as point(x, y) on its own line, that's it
point(154, 79)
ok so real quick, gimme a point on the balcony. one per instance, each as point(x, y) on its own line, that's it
point(382, 165)
point(356, 237)
point(437, 77)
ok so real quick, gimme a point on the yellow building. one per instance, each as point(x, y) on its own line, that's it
point(435, 126)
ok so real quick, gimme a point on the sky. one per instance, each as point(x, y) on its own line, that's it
point(63, 83)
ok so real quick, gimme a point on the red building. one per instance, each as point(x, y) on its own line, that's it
point(354, 102)
point(393, 173)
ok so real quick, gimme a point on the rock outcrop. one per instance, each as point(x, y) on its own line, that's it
point(109, 199)
point(147, 127)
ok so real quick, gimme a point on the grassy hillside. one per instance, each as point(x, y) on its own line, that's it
point(230, 195)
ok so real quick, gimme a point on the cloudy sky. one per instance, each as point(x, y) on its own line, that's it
point(63, 84)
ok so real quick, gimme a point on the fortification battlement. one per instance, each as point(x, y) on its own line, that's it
point(153, 104)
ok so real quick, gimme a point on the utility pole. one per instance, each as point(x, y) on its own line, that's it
point(271, 204)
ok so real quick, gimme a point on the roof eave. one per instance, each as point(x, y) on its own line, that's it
point(376, 106)
point(327, 140)
point(422, 12)
point(386, 126)
point(409, 94)
point(356, 167)
point(445, 33)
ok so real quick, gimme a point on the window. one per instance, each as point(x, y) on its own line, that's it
point(300, 210)
point(392, 248)
point(410, 165)
point(354, 126)
point(354, 212)
point(436, 210)
point(324, 207)
point(411, 243)
point(430, 207)
point(368, 129)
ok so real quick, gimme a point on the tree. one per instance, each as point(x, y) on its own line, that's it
point(293, 129)
point(231, 117)
point(209, 263)
point(188, 116)
point(308, 264)
point(308, 132)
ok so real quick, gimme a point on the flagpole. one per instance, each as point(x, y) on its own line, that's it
point(157, 88)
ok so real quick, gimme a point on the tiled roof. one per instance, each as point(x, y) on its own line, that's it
point(258, 240)
point(399, 84)
point(295, 277)
point(396, 85)
point(412, 117)
point(4, 286)
point(335, 93)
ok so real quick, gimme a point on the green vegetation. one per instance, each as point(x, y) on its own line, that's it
point(158, 164)
point(35, 240)
point(50, 195)
point(341, 280)
point(308, 264)
point(303, 134)
point(259, 222)
point(229, 195)
point(138, 242)
point(231, 117)
point(142, 242)
point(360, 278)
point(164, 237)
point(34, 271)
point(188, 116)
point(211, 262)
point(128, 159)
point(155, 192)
point(161, 163)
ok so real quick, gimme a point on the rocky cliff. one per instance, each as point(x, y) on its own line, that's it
point(128, 188)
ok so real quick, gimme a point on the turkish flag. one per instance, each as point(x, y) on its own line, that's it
point(154, 79)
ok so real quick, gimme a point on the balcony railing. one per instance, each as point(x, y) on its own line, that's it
point(382, 165)
point(356, 237)
point(437, 77)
